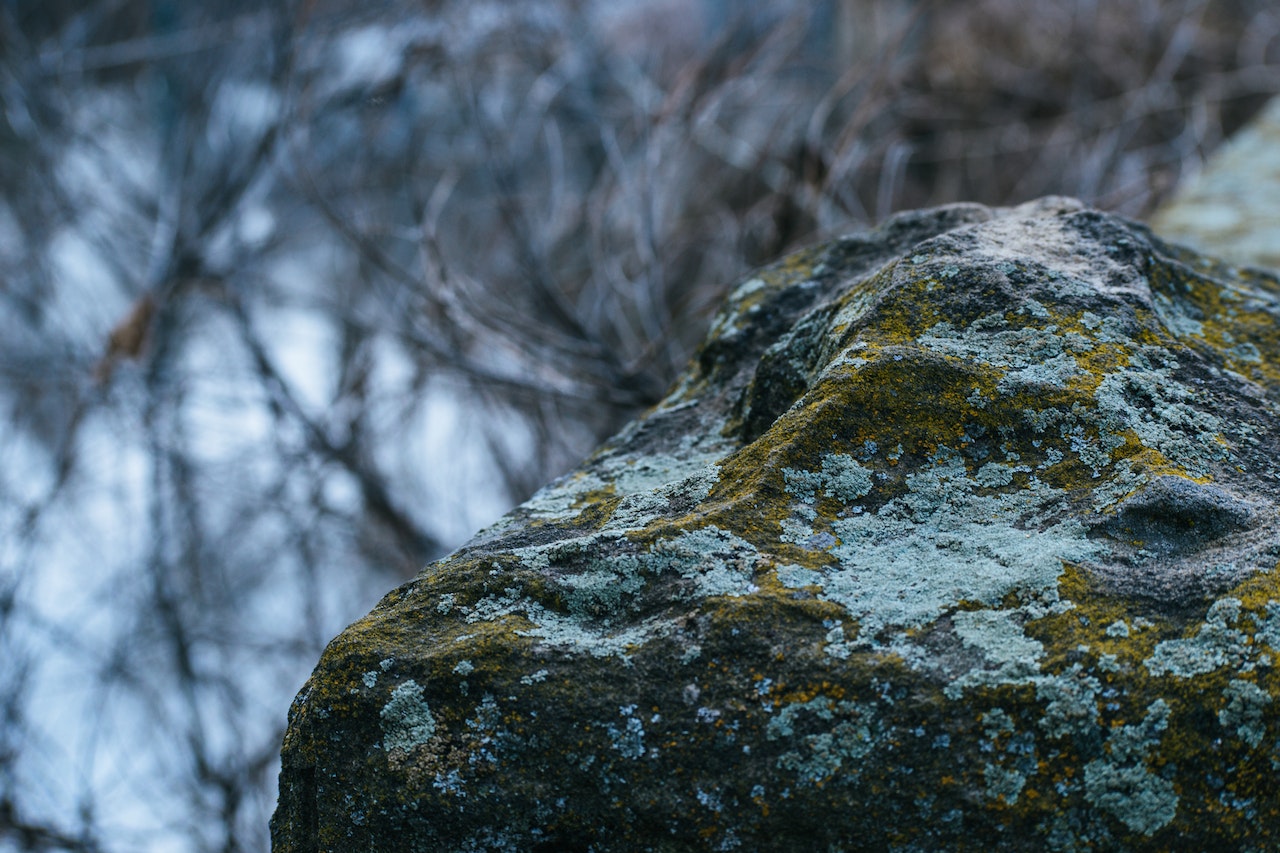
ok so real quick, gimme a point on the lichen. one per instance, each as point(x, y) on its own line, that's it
point(1012, 656)
point(941, 543)
point(1122, 783)
point(1243, 714)
point(846, 732)
point(407, 722)
point(1217, 643)
point(841, 478)
point(628, 739)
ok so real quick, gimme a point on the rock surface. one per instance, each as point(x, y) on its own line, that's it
point(961, 534)
point(1232, 208)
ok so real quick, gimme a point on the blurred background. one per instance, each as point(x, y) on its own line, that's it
point(296, 295)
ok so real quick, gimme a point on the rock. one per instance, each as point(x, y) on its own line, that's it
point(1232, 208)
point(962, 534)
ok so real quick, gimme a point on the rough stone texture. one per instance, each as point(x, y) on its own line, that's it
point(961, 534)
point(1232, 209)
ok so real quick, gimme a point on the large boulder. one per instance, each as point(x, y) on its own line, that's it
point(961, 534)
point(1232, 208)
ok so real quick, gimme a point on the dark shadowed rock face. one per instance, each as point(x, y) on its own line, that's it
point(962, 534)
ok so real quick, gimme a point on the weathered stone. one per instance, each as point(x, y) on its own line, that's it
point(1232, 208)
point(962, 534)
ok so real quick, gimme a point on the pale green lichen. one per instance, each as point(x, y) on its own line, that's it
point(942, 543)
point(796, 531)
point(693, 475)
point(797, 577)
point(407, 722)
point(555, 500)
point(1070, 702)
point(1246, 705)
point(1186, 435)
point(715, 561)
point(1048, 358)
point(851, 733)
point(1012, 656)
point(1022, 350)
point(1269, 629)
point(1176, 318)
point(601, 590)
point(1054, 372)
point(1006, 777)
point(1122, 784)
point(646, 485)
point(739, 305)
point(629, 738)
point(1216, 644)
point(993, 475)
point(1118, 629)
point(1004, 783)
point(996, 722)
point(1141, 801)
point(534, 677)
point(841, 478)
point(577, 635)
point(835, 645)
point(1124, 481)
